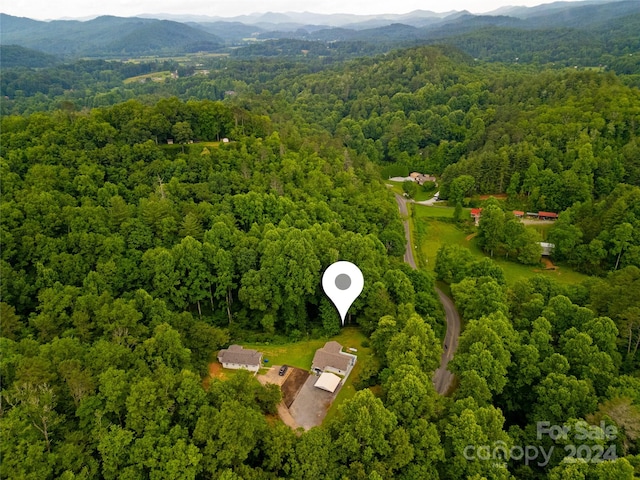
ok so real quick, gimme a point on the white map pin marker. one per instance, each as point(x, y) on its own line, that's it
point(342, 282)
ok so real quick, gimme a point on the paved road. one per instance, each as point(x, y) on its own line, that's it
point(442, 378)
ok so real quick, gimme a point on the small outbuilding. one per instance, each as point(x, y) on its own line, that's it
point(547, 248)
point(328, 381)
point(237, 357)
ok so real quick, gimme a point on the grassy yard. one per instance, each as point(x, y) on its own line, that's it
point(300, 354)
point(430, 234)
point(422, 194)
point(155, 77)
point(347, 391)
point(424, 211)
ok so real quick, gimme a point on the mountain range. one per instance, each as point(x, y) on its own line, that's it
point(166, 34)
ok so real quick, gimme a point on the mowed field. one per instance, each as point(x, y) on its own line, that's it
point(154, 77)
point(300, 354)
point(430, 233)
point(422, 194)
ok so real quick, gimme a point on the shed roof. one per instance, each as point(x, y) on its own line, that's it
point(328, 381)
point(240, 355)
point(547, 214)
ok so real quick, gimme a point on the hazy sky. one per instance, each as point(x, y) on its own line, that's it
point(48, 9)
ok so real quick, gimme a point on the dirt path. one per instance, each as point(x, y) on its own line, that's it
point(548, 264)
point(535, 221)
point(442, 378)
point(286, 417)
point(404, 212)
point(501, 196)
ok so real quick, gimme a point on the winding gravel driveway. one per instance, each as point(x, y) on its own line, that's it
point(442, 378)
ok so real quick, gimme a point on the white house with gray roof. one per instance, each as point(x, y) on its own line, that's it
point(236, 357)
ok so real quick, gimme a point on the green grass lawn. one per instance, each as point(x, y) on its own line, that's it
point(438, 211)
point(420, 196)
point(515, 271)
point(430, 234)
point(300, 354)
point(365, 355)
point(155, 76)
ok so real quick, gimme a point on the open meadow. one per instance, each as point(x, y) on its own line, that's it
point(431, 232)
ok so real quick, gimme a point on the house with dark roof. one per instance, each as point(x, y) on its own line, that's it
point(331, 358)
point(236, 357)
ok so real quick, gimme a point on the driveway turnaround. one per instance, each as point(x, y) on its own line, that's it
point(311, 405)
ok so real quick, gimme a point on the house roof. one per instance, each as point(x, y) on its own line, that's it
point(518, 212)
point(238, 354)
point(328, 381)
point(331, 356)
point(476, 211)
point(547, 214)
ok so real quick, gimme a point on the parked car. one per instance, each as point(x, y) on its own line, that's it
point(283, 370)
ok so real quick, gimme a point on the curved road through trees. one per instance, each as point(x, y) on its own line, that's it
point(442, 378)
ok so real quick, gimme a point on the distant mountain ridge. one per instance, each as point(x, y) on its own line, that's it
point(109, 36)
point(307, 18)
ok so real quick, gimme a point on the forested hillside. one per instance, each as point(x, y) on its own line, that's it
point(146, 225)
point(106, 36)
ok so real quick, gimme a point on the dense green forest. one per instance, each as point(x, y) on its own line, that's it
point(127, 262)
